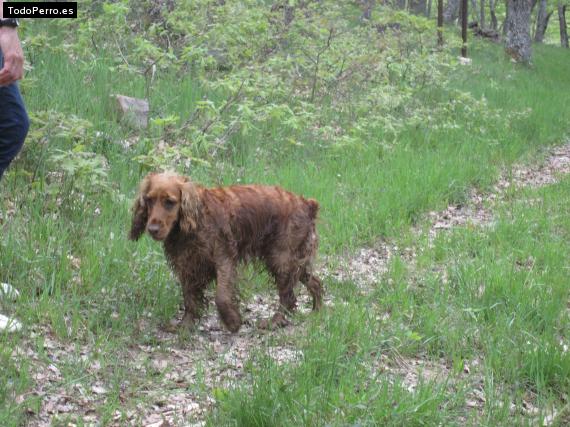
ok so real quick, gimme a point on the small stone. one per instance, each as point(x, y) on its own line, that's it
point(9, 324)
point(8, 292)
point(98, 389)
point(133, 110)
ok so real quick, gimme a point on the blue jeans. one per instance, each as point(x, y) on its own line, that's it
point(14, 123)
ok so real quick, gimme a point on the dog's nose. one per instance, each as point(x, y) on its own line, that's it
point(153, 228)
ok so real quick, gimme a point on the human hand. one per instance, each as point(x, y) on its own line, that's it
point(13, 56)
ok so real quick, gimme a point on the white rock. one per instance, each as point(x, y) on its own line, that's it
point(549, 419)
point(133, 110)
point(9, 325)
point(8, 291)
point(98, 389)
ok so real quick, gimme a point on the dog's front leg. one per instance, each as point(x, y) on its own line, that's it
point(194, 302)
point(225, 295)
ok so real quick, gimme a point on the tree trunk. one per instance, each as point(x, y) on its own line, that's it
point(517, 41)
point(494, 22)
point(563, 29)
point(440, 22)
point(482, 18)
point(474, 17)
point(464, 15)
point(506, 22)
point(418, 7)
point(399, 4)
point(288, 14)
point(367, 6)
point(428, 13)
point(451, 11)
point(541, 21)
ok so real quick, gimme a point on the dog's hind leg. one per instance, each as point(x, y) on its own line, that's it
point(287, 300)
point(225, 296)
point(285, 284)
point(314, 286)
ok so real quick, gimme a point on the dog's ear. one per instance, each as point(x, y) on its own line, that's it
point(190, 204)
point(140, 212)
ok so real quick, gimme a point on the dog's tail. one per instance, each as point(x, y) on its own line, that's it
point(313, 208)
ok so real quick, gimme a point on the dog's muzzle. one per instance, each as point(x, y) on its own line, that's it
point(154, 230)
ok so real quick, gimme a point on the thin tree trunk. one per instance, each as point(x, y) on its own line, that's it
point(482, 18)
point(428, 13)
point(400, 4)
point(451, 11)
point(506, 23)
point(532, 27)
point(288, 14)
point(542, 18)
point(440, 22)
point(368, 5)
point(464, 12)
point(474, 16)
point(563, 28)
point(418, 7)
point(494, 22)
point(518, 41)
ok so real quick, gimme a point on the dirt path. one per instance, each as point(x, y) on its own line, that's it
point(367, 265)
point(167, 371)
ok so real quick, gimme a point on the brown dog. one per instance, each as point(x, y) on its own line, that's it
point(207, 232)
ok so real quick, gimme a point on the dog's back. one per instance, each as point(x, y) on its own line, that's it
point(257, 219)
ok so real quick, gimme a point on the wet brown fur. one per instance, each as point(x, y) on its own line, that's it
point(207, 232)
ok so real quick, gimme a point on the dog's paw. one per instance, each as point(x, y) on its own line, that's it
point(188, 322)
point(277, 321)
point(169, 327)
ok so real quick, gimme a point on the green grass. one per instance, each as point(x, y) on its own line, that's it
point(337, 382)
point(508, 292)
point(502, 311)
point(513, 327)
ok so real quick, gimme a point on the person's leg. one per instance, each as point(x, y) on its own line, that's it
point(14, 123)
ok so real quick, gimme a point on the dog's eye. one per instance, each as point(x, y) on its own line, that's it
point(169, 204)
point(148, 201)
